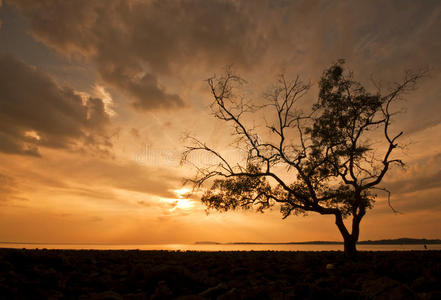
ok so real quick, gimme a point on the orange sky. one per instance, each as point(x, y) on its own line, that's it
point(95, 98)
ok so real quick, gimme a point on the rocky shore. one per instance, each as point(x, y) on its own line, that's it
point(134, 274)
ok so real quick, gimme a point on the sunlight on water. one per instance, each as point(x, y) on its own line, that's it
point(219, 247)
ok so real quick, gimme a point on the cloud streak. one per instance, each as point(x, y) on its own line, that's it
point(421, 176)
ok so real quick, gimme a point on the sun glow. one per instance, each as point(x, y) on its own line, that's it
point(32, 134)
point(183, 204)
point(182, 201)
point(182, 193)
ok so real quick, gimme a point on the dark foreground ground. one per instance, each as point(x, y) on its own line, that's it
point(91, 274)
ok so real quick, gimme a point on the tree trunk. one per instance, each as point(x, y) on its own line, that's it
point(350, 239)
point(350, 247)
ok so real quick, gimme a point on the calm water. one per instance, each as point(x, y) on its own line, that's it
point(194, 247)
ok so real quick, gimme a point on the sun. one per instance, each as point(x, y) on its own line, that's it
point(184, 204)
point(181, 201)
point(182, 193)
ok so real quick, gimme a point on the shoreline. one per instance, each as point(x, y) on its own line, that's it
point(225, 247)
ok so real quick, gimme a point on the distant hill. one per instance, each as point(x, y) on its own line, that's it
point(207, 243)
point(400, 241)
point(407, 241)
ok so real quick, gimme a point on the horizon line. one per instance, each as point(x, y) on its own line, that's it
point(202, 242)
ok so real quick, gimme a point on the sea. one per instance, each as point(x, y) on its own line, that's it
point(220, 247)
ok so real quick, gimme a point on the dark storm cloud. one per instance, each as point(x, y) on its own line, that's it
point(137, 45)
point(35, 111)
point(1, 22)
point(132, 42)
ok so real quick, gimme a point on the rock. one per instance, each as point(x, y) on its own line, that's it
point(108, 295)
point(423, 284)
point(162, 292)
point(349, 294)
point(317, 292)
point(178, 278)
point(137, 273)
point(330, 266)
point(54, 294)
point(386, 288)
point(231, 294)
point(135, 296)
point(191, 297)
point(215, 291)
point(239, 271)
point(436, 295)
point(324, 283)
point(5, 266)
point(301, 290)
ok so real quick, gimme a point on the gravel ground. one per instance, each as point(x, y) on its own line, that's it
point(133, 274)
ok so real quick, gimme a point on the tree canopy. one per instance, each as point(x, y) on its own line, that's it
point(328, 150)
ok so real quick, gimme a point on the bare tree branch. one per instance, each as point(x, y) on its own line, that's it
point(327, 152)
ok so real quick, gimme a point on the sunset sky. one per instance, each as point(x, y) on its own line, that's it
point(96, 97)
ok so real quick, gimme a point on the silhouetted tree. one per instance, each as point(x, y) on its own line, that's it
point(328, 151)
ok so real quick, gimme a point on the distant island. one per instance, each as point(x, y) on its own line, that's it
point(400, 241)
point(207, 243)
